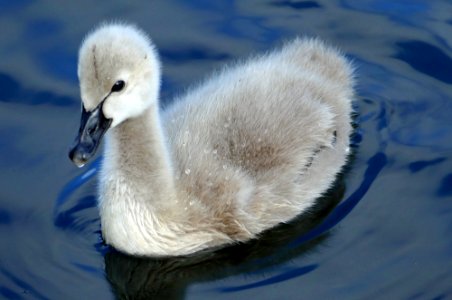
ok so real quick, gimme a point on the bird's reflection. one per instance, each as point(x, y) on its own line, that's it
point(167, 278)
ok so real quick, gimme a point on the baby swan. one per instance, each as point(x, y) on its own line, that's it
point(250, 148)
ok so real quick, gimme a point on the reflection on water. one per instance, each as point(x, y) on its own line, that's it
point(388, 236)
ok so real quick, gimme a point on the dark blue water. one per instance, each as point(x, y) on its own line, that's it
point(389, 237)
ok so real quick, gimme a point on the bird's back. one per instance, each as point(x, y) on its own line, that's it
point(254, 130)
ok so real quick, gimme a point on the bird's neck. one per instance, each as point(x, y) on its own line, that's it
point(139, 152)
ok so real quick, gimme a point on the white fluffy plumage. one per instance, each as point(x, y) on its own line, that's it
point(249, 148)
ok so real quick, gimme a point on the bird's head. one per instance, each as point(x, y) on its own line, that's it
point(119, 74)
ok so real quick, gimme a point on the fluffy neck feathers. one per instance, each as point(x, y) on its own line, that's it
point(138, 150)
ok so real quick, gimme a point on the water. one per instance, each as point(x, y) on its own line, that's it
point(389, 235)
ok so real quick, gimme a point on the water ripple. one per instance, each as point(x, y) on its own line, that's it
point(427, 59)
point(284, 276)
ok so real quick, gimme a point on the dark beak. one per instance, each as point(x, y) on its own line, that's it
point(93, 126)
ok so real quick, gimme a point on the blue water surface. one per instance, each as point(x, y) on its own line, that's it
point(382, 232)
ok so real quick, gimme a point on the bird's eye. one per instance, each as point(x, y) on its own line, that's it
point(118, 86)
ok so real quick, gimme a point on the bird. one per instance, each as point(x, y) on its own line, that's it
point(250, 147)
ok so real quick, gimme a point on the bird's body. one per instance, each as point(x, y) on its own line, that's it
point(251, 147)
